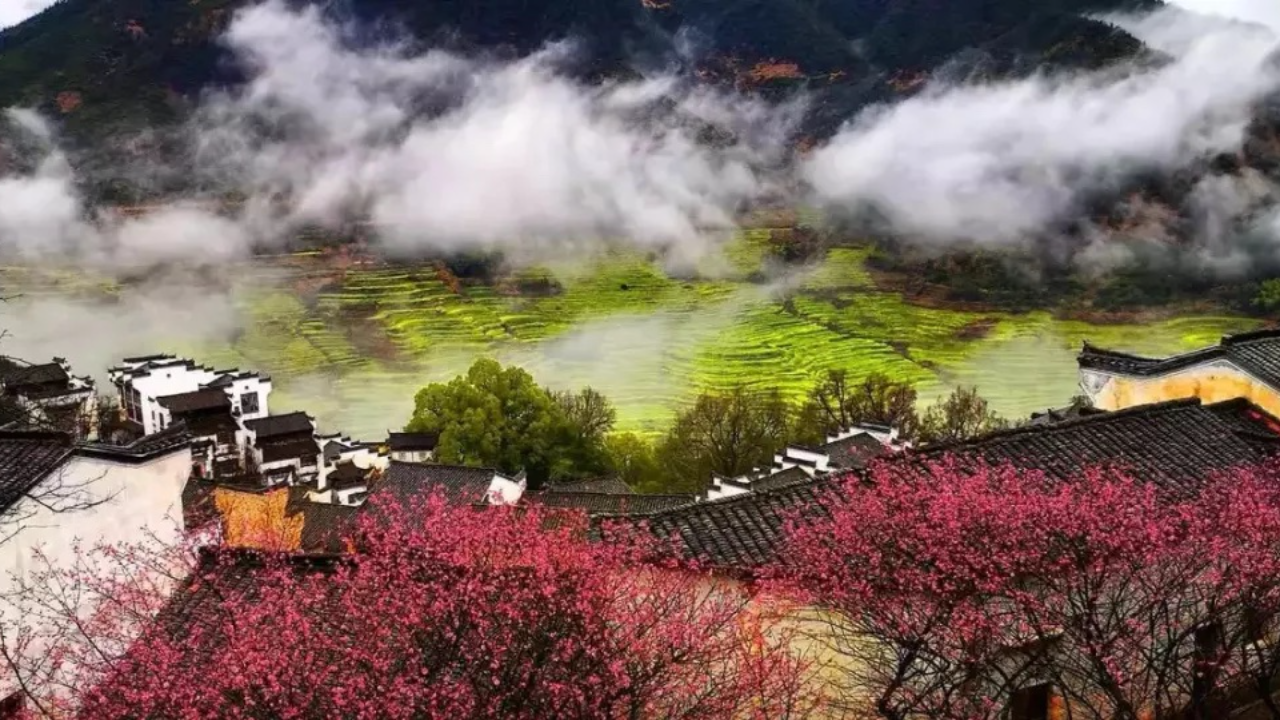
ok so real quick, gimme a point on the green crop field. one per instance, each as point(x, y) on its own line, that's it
point(352, 345)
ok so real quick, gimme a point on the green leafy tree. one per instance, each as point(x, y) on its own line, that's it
point(590, 416)
point(1268, 298)
point(961, 416)
point(635, 460)
point(726, 434)
point(498, 417)
point(838, 402)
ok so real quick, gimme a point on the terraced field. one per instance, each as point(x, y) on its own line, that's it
point(352, 344)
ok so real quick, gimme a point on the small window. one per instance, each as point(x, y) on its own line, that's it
point(1208, 640)
point(249, 403)
point(1031, 703)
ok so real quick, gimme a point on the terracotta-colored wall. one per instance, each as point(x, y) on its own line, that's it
point(1210, 384)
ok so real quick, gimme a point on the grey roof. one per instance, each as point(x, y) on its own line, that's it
point(1057, 415)
point(413, 442)
point(149, 358)
point(171, 439)
point(347, 475)
point(182, 403)
point(607, 485)
point(18, 375)
point(594, 504)
point(459, 483)
point(304, 449)
point(276, 425)
point(782, 479)
point(735, 534)
point(1258, 353)
point(1174, 444)
point(328, 527)
point(26, 458)
point(854, 452)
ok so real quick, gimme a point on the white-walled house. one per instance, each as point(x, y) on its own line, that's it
point(143, 381)
point(48, 397)
point(848, 450)
point(58, 498)
point(284, 448)
point(409, 447)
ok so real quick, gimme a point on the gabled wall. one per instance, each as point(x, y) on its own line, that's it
point(1218, 381)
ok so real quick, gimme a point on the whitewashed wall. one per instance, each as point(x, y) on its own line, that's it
point(145, 498)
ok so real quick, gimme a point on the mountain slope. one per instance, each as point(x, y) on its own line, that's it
point(100, 64)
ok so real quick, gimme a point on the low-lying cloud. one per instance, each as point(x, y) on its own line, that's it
point(443, 152)
point(1001, 162)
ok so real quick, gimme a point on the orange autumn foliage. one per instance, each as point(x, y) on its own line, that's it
point(68, 101)
point(258, 520)
point(773, 70)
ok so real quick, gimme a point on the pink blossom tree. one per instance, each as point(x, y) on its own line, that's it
point(1241, 526)
point(441, 611)
point(950, 586)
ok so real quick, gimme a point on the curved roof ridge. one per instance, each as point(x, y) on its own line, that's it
point(1097, 419)
point(1251, 336)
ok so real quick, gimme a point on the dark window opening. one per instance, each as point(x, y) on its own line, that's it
point(12, 706)
point(1031, 703)
point(249, 403)
point(1257, 624)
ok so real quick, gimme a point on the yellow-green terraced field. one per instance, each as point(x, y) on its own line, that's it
point(353, 345)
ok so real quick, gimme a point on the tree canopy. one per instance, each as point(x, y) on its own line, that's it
point(499, 417)
point(725, 434)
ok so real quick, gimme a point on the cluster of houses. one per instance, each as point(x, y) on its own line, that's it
point(191, 446)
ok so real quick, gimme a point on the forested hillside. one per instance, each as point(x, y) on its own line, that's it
point(99, 64)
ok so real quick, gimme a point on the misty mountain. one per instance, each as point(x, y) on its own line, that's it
point(101, 65)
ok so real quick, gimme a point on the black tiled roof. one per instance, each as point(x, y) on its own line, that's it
point(325, 527)
point(854, 452)
point(26, 458)
point(412, 442)
point(213, 424)
point(459, 484)
point(223, 580)
point(608, 486)
point(1251, 423)
point(347, 475)
point(737, 533)
point(1258, 353)
point(1174, 444)
point(304, 449)
point(276, 425)
point(171, 439)
point(1057, 415)
point(12, 414)
point(779, 480)
point(594, 503)
point(195, 401)
point(17, 375)
point(149, 359)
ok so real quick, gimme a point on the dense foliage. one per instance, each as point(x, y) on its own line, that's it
point(138, 60)
point(956, 585)
point(441, 612)
point(728, 434)
point(499, 417)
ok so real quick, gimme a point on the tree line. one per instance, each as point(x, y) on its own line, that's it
point(496, 416)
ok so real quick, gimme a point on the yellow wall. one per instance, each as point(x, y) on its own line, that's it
point(258, 520)
point(1210, 384)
